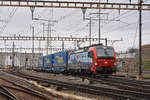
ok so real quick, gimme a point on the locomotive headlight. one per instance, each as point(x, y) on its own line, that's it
point(95, 63)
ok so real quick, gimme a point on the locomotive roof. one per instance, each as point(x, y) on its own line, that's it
point(85, 49)
point(104, 47)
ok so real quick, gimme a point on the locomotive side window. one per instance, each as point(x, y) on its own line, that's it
point(90, 54)
point(103, 53)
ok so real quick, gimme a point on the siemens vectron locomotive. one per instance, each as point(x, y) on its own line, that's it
point(96, 59)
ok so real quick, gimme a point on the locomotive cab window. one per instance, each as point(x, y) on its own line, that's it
point(90, 54)
point(105, 53)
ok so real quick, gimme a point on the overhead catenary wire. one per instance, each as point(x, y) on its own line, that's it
point(114, 19)
point(86, 28)
point(10, 16)
point(116, 29)
point(135, 35)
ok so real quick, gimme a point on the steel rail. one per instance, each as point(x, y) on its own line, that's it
point(130, 83)
point(132, 77)
point(69, 4)
point(142, 84)
point(120, 85)
point(78, 87)
point(7, 93)
point(27, 90)
point(134, 81)
point(91, 89)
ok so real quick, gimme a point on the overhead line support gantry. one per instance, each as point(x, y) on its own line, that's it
point(49, 38)
point(68, 4)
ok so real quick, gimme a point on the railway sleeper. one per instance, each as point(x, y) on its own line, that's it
point(98, 90)
point(127, 83)
point(59, 88)
point(121, 86)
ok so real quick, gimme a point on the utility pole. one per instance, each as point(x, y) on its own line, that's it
point(106, 41)
point(43, 24)
point(49, 30)
point(140, 40)
point(26, 59)
point(13, 55)
point(99, 35)
point(48, 34)
point(39, 46)
point(90, 19)
point(5, 45)
point(90, 26)
point(63, 46)
point(32, 46)
point(32, 13)
point(49, 43)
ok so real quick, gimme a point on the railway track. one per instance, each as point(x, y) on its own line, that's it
point(6, 93)
point(132, 81)
point(11, 90)
point(141, 87)
point(27, 90)
point(109, 92)
point(132, 77)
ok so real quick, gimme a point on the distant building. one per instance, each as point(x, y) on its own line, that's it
point(126, 55)
point(20, 59)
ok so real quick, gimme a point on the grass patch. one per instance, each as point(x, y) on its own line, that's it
point(146, 76)
point(146, 65)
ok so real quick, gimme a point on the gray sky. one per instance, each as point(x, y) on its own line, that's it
point(70, 22)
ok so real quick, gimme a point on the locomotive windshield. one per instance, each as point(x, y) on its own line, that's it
point(105, 53)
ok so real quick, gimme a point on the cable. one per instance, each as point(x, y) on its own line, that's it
point(135, 34)
point(116, 18)
point(67, 15)
point(124, 26)
point(8, 19)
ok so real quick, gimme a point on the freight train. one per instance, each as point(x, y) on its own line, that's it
point(96, 59)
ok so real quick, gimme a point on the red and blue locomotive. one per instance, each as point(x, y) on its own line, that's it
point(96, 59)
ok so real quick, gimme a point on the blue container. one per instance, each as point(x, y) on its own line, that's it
point(48, 61)
point(41, 61)
point(60, 61)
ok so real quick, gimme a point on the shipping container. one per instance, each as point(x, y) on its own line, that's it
point(48, 61)
point(41, 61)
point(60, 61)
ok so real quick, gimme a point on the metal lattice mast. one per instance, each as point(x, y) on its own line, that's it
point(140, 38)
point(99, 31)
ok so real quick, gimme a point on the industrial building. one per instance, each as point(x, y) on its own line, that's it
point(20, 59)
